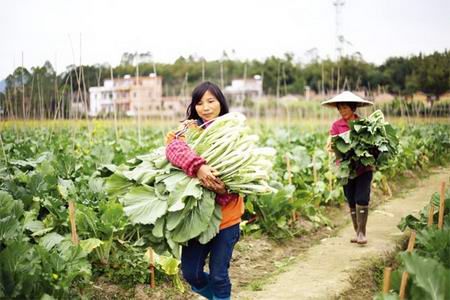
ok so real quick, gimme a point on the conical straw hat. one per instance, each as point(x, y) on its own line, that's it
point(346, 97)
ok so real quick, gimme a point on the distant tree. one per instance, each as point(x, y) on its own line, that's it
point(433, 74)
point(395, 72)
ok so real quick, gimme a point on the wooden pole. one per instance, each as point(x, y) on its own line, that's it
point(411, 243)
point(73, 226)
point(152, 268)
point(441, 206)
point(387, 280)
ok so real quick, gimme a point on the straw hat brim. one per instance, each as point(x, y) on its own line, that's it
point(346, 97)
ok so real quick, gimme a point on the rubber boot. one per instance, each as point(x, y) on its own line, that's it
point(355, 224)
point(205, 292)
point(362, 213)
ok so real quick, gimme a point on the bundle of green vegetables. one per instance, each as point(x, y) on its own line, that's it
point(172, 207)
point(370, 141)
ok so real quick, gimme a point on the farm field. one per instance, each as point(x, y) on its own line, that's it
point(52, 178)
point(180, 150)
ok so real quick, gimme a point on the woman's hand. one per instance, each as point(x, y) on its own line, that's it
point(209, 181)
point(188, 123)
point(217, 186)
point(329, 145)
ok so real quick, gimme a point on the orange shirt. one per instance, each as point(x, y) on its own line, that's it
point(232, 213)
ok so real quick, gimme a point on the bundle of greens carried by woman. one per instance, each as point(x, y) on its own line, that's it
point(174, 207)
point(370, 141)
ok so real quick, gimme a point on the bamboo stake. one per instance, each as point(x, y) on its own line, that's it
point(152, 268)
point(278, 81)
point(3, 150)
point(332, 81)
point(203, 70)
point(337, 81)
point(411, 243)
point(114, 105)
point(323, 82)
point(73, 226)
point(387, 280)
point(288, 164)
point(314, 168)
point(23, 92)
point(431, 213)
point(139, 103)
point(441, 206)
point(31, 106)
point(58, 102)
point(330, 180)
point(222, 84)
point(387, 187)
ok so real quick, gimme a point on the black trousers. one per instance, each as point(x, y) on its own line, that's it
point(357, 190)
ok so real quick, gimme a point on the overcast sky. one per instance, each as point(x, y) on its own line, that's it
point(50, 29)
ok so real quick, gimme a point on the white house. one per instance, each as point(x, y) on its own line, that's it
point(241, 89)
point(130, 95)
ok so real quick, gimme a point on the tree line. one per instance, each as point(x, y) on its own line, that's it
point(42, 93)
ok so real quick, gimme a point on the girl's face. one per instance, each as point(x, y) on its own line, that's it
point(208, 107)
point(345, 111)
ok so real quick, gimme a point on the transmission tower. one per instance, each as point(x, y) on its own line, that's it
point(339, 39)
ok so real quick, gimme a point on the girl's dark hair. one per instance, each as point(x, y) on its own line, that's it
point(197, 94)
point(352, 105)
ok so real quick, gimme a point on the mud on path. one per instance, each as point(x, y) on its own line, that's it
point(323, 270)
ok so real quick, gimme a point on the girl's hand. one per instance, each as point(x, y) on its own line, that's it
point(209, 181)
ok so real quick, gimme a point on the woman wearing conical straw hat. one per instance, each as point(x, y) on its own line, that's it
point(357, 190)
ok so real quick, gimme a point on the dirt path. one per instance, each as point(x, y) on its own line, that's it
point(322, 272)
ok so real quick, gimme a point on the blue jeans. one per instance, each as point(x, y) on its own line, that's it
point(220, 250)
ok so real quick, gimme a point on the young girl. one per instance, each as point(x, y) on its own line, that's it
point(208, 102)
point(357, 190)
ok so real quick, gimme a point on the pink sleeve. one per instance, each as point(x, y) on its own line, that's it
point(224, 199)
point(180, 155)
point(333, 129)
